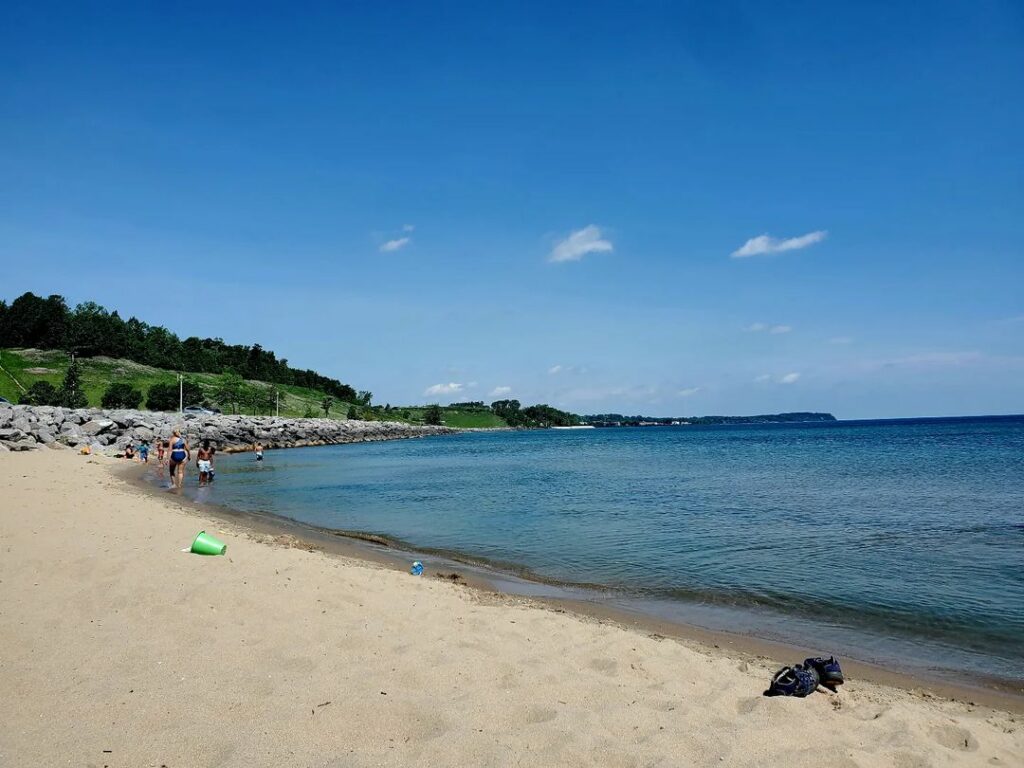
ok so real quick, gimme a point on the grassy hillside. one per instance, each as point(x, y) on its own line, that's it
point(31, 365)
point(457, 417)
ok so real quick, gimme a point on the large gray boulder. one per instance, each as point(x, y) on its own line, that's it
point(97, 426)
point(24, 444)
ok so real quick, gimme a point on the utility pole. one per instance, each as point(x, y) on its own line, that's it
point(181, 393)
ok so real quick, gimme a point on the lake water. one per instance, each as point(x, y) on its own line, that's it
point(897, 542)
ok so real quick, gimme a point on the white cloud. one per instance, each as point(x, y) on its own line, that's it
point(451, 388)
point(758, 246)
point(841, 340)
point(555, 369)
point(500, 391)
point(579, 244)
point(408, 227)
point(395, 245)
point(688, 391)
point(788, 378)
point(759, 327)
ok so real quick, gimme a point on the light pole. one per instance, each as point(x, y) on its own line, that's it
point(181, 393)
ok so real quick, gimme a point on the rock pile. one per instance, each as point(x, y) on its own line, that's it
point(24, 427)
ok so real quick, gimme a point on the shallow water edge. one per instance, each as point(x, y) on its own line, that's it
point(586, 601)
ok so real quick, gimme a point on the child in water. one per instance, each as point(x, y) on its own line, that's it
point(204, 460)
point(144, 452)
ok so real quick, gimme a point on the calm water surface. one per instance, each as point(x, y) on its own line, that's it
point(899, 542)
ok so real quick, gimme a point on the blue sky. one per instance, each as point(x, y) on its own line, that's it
point(667, 208)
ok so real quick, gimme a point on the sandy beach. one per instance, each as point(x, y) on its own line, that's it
point(117, 649)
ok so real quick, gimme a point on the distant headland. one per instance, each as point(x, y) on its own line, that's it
point(618, 420)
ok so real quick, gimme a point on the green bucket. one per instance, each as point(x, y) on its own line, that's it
point(205, 544)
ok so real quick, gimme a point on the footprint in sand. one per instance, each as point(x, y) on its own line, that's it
point(663, 705)
point(868, 711)
point(608, 666)
point(536, 715)
point(955, 737)
point(909, 760)
point(424, 726)
point(750, 704)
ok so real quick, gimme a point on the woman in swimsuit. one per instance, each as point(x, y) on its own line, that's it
point(204, 460)
point(180, 455)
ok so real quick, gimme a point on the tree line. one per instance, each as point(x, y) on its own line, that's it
point(533, 416)
point(90, 330)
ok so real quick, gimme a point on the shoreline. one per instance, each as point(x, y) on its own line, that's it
point(501, 580)
point(120, 650)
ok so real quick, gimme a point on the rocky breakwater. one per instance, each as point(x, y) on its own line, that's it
point(25, 427)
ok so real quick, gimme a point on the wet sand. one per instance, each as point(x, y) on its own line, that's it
point(118, 649)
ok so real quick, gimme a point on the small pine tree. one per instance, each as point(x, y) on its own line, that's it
point(41, 393)
point(352, 414)
point(71, 392)
point(310, 411)
point(326, 405)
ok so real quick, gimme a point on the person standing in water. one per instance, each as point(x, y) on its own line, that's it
point(258, 450)
point(180, 455)
point(204, 460)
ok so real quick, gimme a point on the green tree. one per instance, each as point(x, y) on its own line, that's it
point(268, 399)
point(259, 398)
point(228, 390)
point(510, 411)
point(41, 393)
point(326, 404)
point(363, 397)
point(433, 415)
point(164, 397)
point(310, 411)
point(352, 413)
point(545, 416)
point(121, 395)
point(71, 393)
